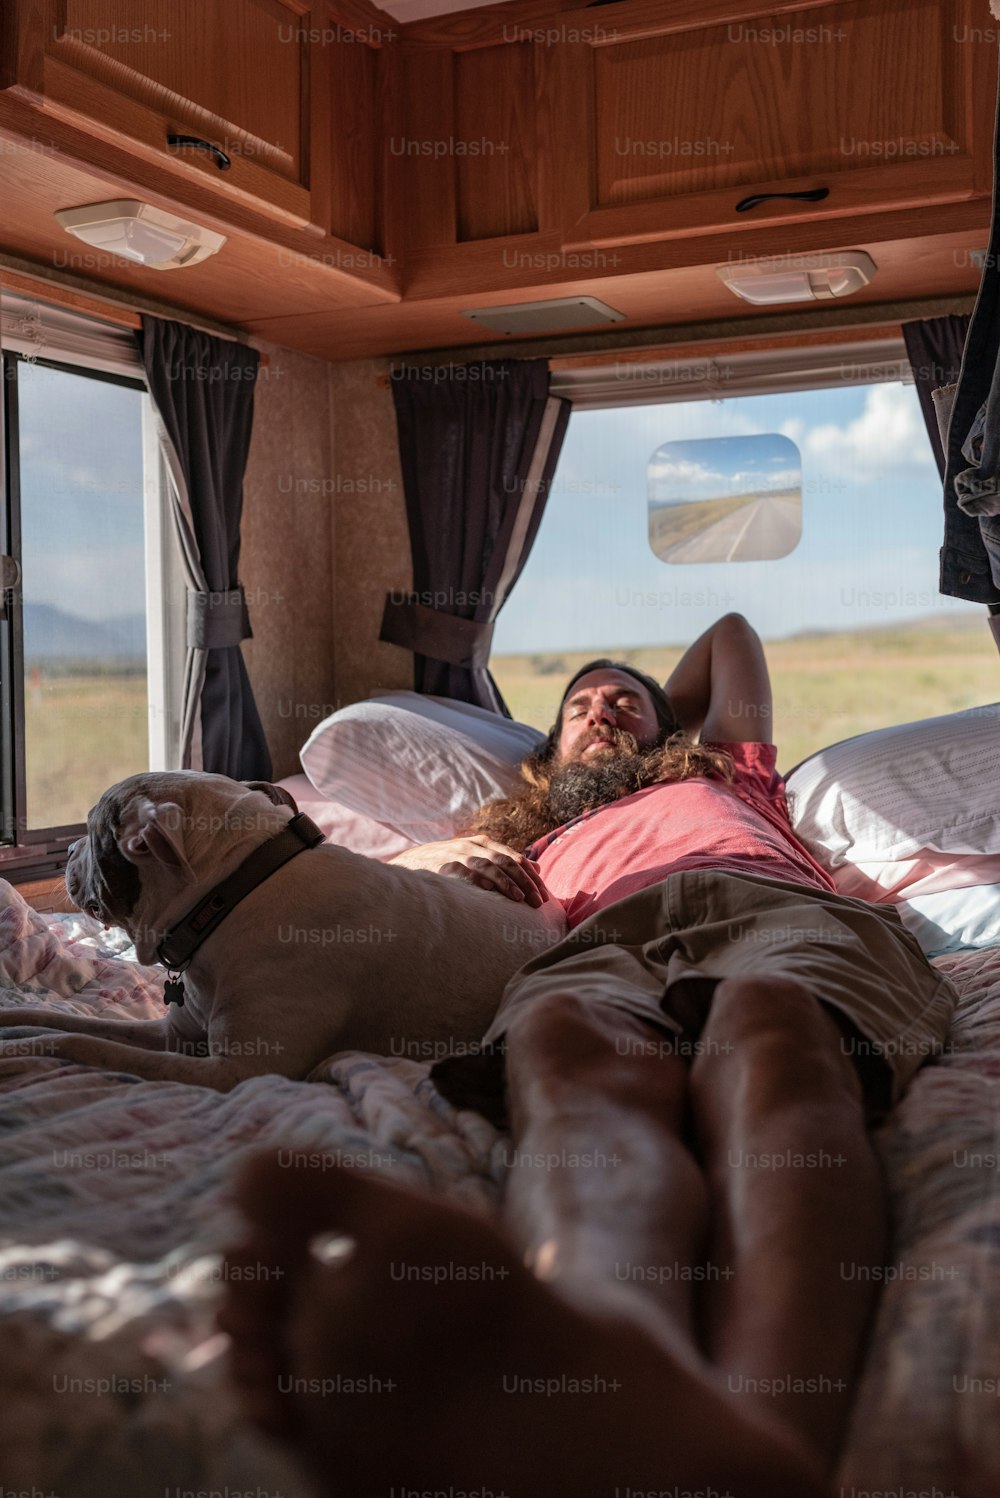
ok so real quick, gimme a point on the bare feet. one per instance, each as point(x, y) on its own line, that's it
point(425, 1356)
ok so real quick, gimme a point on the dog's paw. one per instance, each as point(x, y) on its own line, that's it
point(20, 1015)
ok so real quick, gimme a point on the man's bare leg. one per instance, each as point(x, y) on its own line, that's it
point(603, 1195)
point(798, 1203)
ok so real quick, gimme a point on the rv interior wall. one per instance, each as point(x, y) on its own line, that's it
point(372, 549)
point(324, 535)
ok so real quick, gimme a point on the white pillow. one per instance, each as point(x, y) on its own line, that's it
point(907, 878)
point(914, 791)
point(954, 919)
point(419, 765)
point(349, 829)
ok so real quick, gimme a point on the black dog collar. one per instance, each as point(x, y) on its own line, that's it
point(183, 940)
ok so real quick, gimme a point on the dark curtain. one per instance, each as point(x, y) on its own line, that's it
point(203, 390)
point(935, 349)
point(478, 444)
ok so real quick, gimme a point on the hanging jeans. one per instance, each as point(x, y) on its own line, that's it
point(970, 556)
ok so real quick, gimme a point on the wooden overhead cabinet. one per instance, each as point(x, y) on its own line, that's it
point(874, 100)
point(246, 78)
point(645, 121)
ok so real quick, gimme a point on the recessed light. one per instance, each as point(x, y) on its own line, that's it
point(139, 232)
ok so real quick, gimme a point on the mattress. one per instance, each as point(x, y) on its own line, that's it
point(114, 1208)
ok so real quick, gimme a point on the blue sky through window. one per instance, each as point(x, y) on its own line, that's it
point(81, 493)
point(868, 555)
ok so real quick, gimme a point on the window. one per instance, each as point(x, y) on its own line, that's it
point(87, 637)
point(856, 632)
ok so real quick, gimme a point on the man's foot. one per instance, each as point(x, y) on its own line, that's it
point(423, 1355)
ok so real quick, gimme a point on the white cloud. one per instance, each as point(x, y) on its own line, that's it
point(683, 471)
point(888, 435)
point(757, 480)
point(785, 478)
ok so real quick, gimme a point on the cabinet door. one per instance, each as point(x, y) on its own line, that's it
point(886, 103)
point(240, 75)
point(646, 121)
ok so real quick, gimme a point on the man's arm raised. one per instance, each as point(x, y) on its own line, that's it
point(720, 689)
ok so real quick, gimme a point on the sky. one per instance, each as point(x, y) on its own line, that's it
point(871, 506)
point(684, 471)
point(871, 526)
point(81, 493)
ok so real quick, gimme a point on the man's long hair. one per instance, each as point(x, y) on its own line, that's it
point(531, 812)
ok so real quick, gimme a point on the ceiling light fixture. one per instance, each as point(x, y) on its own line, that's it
point(139, 232)
point(799, 278)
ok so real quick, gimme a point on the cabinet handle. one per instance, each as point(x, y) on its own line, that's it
point(811, 195)
point(195, 143)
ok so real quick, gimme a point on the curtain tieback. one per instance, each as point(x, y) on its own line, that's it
point(217, 620)
point(431, 632)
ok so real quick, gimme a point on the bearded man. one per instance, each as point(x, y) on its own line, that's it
point(688, 1078)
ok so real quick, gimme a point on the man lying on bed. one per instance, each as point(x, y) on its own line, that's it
point(689, 1077)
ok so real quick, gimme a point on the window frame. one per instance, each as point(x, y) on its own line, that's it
point(738, 367)
point(776, 367)
point(785, 365)
point(44, 852)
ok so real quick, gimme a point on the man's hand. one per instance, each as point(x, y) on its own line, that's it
point(482, 862)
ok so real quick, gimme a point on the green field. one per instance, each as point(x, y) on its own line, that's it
point(826, 686)
point(82, 733)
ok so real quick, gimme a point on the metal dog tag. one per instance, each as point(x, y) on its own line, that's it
point(173, 990)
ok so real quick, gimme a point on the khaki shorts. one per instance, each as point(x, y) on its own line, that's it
point(650, 953)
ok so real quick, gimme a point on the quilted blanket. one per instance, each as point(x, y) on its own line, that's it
point(114, 1209)
point(113, 1212)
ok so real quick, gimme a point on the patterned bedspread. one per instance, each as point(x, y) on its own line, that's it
point(113, 1209)
point(927, 1415)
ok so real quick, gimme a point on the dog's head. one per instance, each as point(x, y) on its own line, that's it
point(155, 840)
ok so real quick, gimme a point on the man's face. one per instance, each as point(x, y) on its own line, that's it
point(599, 703)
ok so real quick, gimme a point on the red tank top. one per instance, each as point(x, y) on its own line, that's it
point(703, 823)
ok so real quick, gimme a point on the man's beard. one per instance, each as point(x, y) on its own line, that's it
point(581, 785)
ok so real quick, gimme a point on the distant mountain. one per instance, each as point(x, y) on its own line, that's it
point(923, 622)
point(50, 635)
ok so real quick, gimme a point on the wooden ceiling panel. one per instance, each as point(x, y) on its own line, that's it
point(909, 270)
point(515, 153)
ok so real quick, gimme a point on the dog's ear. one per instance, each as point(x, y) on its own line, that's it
point(275, 793)
point(155, 832)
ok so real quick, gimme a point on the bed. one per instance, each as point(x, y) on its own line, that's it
point(114, 1191)
point(115, 1207)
